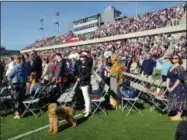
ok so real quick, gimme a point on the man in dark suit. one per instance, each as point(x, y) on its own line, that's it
point(36, 65)
point(60, 71)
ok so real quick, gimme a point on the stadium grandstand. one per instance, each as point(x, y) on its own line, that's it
point(90, 24)
point(166, 20)
point(5, 52)
point(109, 63)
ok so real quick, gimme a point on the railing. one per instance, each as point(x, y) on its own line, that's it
point(172, 29)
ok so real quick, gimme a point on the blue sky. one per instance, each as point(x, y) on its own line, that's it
point(20, 21)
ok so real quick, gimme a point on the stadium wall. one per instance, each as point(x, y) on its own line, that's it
point(171, 29)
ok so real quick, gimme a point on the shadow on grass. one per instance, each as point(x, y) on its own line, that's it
point(67, 125)
point(6, 113)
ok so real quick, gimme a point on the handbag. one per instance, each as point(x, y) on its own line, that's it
point(128, 93)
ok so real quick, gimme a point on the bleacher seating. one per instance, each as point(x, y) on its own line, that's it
point(147, 21)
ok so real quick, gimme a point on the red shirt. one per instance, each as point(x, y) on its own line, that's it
point(53, 68)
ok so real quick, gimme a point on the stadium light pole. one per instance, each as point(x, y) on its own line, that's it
point(136, 8)
point(42, 27)
point(57, 22)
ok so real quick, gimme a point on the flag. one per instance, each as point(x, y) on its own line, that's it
point(136, 8)
point(41, 28)
point(56, 23)
point(42, 20)
point(57, 13)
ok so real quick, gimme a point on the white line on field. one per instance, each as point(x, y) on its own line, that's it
point(38, 129)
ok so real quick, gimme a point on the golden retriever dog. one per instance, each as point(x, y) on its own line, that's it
point(57, 113)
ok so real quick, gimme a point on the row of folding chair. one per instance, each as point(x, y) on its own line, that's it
point(142, 82)
point(131, 102)
point(30, 104)
point(161, 99)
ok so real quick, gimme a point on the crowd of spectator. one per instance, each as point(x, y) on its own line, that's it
point(152, 20)
point(180, 47)
point(132, 48)
point(137, 56)
point(54, 40)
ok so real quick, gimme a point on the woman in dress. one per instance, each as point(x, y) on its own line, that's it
point(177, 88)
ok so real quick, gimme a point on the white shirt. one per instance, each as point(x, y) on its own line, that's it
point(46, 72)
point(10, 67)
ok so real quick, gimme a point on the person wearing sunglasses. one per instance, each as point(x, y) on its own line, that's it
point(177, 89)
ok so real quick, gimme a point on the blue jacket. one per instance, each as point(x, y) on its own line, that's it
point(165, 66)
point(18, 74)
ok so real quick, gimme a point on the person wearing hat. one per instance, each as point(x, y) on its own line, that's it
point(89, 58)
point(83, 77)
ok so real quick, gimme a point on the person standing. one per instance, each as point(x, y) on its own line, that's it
point(148, 66)
point(1, 72)
point(165, 66)
point(27, 63)
point(128, 63)
point(18, 79)
point(177, 88)
point(84, 77)
point(108, 63)
point(10, 66)
point(36, 64)
point(53, 68)
point(46, 72)
point(60, 71)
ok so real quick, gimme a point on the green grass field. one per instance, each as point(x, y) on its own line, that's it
point(150, 126)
